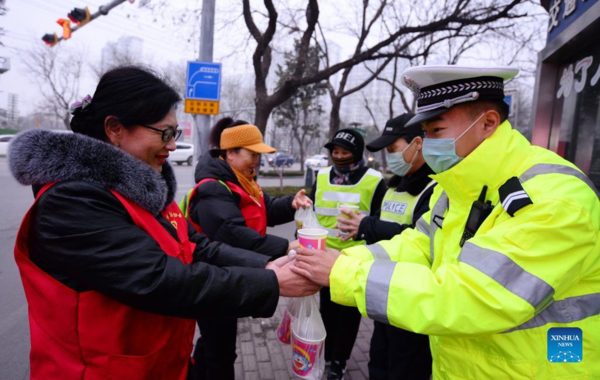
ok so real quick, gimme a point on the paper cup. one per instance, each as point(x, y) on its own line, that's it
point(312, 238)
point(304, 355)
point(347, 207)
point(284, 331)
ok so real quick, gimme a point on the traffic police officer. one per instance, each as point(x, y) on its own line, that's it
point(504, 272)
point(397, 353)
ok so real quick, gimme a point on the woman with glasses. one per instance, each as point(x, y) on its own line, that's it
point(113, 275)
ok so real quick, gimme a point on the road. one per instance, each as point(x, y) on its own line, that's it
point(14, 328)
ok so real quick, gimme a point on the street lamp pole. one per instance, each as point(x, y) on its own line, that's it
point(207, 32)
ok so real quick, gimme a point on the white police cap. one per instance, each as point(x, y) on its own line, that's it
point(439, 88)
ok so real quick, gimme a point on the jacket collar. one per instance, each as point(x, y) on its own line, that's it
point(38, 157)
point(493, 162)
point(211, 166)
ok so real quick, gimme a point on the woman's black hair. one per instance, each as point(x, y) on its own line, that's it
point(215, 133)
point(132, 94)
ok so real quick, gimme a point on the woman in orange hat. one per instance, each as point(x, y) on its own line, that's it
point(230, 207)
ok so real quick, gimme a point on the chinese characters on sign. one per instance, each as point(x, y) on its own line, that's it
point(568, 81)
point(570, 11)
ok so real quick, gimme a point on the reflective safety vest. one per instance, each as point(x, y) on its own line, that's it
point(399, 207)
point(329, 196)
point(87, 335)
point(255, 213)
point(521, 298)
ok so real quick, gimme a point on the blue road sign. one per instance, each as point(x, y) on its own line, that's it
point(203, 81)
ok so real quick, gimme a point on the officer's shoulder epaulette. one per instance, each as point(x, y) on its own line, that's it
point(513, 197)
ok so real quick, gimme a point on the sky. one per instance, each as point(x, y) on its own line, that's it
point(28, 20)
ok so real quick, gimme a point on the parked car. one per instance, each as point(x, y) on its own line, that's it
point(318, 160)
point(280, 159)
point(183, 153)
point(4, 142)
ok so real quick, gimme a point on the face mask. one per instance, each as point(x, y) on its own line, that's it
point(440, 154)
point(343, 164)
point(397, 163)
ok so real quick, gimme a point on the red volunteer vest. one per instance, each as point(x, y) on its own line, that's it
point(255, 214)
point(86, 335)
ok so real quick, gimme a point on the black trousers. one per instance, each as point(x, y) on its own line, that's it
point(341, 324)
point(214, 354)
point(398, 354)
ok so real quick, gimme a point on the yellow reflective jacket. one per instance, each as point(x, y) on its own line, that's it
point(489, 305)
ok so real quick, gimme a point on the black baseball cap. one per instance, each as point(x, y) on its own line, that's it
point(394, 129)
point(350, 139)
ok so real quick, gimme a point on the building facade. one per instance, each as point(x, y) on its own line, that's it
point(567, 96)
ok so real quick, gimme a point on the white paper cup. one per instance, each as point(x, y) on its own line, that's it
point(305, 354)
point(347, 207)
point(312, 238)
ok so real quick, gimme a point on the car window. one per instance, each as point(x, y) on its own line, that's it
point(182, 146)
point(6, 138)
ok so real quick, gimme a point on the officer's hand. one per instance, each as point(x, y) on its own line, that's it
point(349, 225)
point(315, 264)
point(292, 284)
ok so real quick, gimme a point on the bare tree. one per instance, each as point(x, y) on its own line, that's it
point(451, 17)
point(3, 10)
point(57, 71)
point(237, 98)
point(301, 112)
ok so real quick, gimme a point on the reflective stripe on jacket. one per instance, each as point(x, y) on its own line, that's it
point(489, 305)
point(329, 196)
point(87, 335)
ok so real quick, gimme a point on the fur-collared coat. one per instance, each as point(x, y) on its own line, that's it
point(82, 235)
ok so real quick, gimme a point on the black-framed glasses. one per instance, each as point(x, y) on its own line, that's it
point(167, 134)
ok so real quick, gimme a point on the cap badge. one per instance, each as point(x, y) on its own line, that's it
point(412, 85)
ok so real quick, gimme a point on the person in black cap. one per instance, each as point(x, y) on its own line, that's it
point(397, 353)
point(351, 183)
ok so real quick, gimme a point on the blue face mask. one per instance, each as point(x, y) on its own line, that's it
point(397, 164)
point(440, 154)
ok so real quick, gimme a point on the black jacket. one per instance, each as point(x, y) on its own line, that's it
point(354, 178)
point(217, 211)
point(82, 235)
point(372, 229)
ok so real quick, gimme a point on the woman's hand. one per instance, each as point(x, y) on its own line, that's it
point(350, 224)
point(292, 284)
point(301, 200)
point(293, 245)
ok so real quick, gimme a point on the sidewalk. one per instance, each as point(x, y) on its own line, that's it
point(262, 357)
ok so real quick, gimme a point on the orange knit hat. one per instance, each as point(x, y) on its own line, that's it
point(246, 136)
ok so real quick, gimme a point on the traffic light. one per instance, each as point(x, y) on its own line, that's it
point(80, 16)
point(66, 25)
point(50, 39)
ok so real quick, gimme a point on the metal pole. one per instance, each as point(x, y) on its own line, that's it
point(207, 32)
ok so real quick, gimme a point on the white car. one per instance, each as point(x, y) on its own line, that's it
point(183, 153)
point(318, 160)
point(4, 142)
